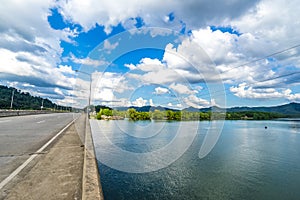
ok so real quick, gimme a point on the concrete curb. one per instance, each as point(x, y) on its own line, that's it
point(91, 186)
point(12, 113)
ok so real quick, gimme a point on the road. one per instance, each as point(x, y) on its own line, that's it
point(23, 135)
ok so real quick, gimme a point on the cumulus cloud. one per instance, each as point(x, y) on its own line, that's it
point(66, 69)
point(161, 90)
point(265, 22)
point(147, 65)
point(105, 87)
point(130, 66)
point(182, 89)
point(244, 91)
point(107, 84)
point(196, 102)
point(179, 105)
point(139, 102)
point(153, 71)
point(87, 61)
point(193, 13)
point(207, 55)
point(30, 50)
point(34, 70)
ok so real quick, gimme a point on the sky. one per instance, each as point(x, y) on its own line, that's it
point(170, 53)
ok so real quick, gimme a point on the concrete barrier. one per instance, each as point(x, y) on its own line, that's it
point(11, 113)
point(91, 185)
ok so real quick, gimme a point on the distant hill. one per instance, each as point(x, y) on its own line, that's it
point(24, 100)
point(144, 108)
point(290, 110)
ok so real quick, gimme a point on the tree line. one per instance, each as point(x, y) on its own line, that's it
point(134, 115)
point(25, 101)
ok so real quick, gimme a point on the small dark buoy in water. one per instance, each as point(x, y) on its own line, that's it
point(266, 127)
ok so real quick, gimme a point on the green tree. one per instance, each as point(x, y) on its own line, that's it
point(158, 115)
point(104, 111)
point(133, 115)
point(107, 112)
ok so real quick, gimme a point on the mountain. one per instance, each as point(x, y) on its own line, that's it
point(290, 110)
point(144, 108)
point(24, 100)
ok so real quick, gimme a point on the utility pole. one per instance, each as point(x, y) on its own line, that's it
point(12, 99)
point(42, 104)
point(90, 92)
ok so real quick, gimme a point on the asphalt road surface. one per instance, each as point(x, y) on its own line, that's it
point(23, 135)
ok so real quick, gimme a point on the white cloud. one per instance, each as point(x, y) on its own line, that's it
point(182, 89)
point(109, 47)
point(87, 61)
point(147, 65)
point(58, 91)
point(139, 102)
point(179, 105)
point(190, 62)
point(130, 66)
point(105, 95)
point(196, 59)
point(153, 71)
point(196, 102)
point(294, 97)
point(265, 22)
point(66, 69)
point(26, 67)
point(160, 90)
point(244, 91)
point(213, 103)
point(151, 102)
point(193, 13)
point(106, 85)
point(30, 50)
point(156, 72)
point(220, 47)
point(158, 77)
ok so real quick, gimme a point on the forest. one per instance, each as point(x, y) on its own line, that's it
point(25, 101)
point(134, 115)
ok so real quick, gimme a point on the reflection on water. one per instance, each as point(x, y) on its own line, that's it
point(248, 162)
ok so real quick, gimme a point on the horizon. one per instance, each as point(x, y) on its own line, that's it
point(132, 106)
point(155, 53)
point(198, 108)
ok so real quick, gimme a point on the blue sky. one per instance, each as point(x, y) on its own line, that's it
point(172, 53)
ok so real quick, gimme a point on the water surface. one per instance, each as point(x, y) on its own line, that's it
point(248, 161)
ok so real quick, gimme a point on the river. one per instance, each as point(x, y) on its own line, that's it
point(250, 160)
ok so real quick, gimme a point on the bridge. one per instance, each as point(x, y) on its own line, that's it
point(47, 156)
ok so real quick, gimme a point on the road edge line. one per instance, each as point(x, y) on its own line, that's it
point(23, 165)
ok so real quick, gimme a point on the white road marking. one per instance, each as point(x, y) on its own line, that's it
point(21, 167)
point(41, 122)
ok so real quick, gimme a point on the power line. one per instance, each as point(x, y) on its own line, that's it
point(248, 85)
point(266, 80)
point(263, 58)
